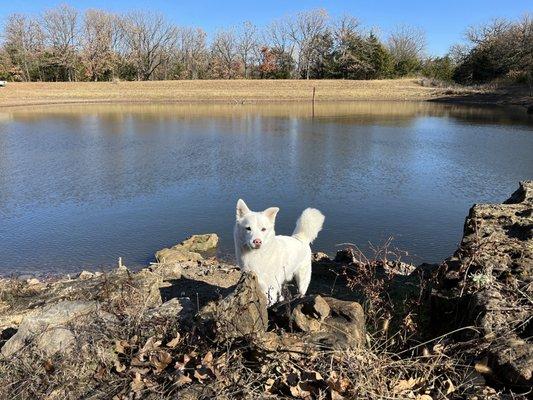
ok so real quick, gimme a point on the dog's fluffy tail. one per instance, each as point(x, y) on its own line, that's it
point(308, 225)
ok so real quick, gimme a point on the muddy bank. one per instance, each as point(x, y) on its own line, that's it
point(193, 326)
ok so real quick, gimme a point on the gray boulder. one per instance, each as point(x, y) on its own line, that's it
point(49, 329)
point(241, 313)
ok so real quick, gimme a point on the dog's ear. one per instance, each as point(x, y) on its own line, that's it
point(242, 208)
point(271, 213)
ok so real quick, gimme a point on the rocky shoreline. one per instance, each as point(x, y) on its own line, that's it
point(194, 326)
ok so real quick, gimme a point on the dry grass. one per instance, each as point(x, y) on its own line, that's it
point(231, 91)
point(140, 359)
point(136, 355)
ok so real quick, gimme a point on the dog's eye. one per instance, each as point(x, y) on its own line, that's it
point(248, 228)
point(264, 229)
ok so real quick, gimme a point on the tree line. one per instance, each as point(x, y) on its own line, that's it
point(64, 45)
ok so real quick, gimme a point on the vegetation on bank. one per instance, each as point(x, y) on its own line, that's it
point(62, 45)
point(227, 91)
point(124, 344)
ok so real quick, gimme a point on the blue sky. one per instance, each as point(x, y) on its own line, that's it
point(444, 21)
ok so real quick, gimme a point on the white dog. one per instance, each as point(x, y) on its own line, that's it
point(275, 259)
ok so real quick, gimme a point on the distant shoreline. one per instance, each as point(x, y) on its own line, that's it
point(22, 94)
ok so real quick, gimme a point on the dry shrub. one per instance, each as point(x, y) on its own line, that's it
point(394, 294)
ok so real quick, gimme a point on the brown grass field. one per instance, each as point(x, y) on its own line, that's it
point(228, 91)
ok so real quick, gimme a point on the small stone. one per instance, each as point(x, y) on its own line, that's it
point(320, 257)
point(84, 275)
point(33, 281)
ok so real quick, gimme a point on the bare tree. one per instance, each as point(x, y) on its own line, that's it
point(305, 30)
point(407, 43)
point(247, 45)
point(192, 51)
point(278, 35)
point(61, 27)
point(482, 34)
point(100, 35)
point(148, 39)
point(224, 50)
point(23, 43)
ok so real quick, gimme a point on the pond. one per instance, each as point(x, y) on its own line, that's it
point(81, 185)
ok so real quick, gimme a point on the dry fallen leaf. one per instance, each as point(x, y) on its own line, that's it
point(183, 380)
point(119, 367)
point(336, 395)
point(174, 342)
point(120, 346)
point(268, 384)
point(338, 384)
point(49, 367)
point(160, 360)
point(450, 388)
point(482, 367)
point(180, 365)
point(100, 372)
point(151, 344)
point(142, 371)
point(299, 392)
point(201, 375)
point(137, 384)
point(404, 385)
point(208, 358)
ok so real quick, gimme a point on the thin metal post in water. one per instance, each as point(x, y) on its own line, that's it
point(314, 89)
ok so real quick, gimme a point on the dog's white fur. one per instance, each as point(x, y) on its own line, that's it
point(278, 259)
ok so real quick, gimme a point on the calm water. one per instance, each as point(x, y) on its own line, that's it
point(82, 185)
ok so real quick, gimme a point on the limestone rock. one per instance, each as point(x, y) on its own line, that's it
point(85, 275)
point(332, 322)
point(33, 281)
point(512, 361)
point(175, 255)
point(241, 313)
point(487, 283)
point(48, 329)
point(309, 316)
point(201, 243)
point(167, 270)
point(145, 285)
point(189, 249)
point(177, 307)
